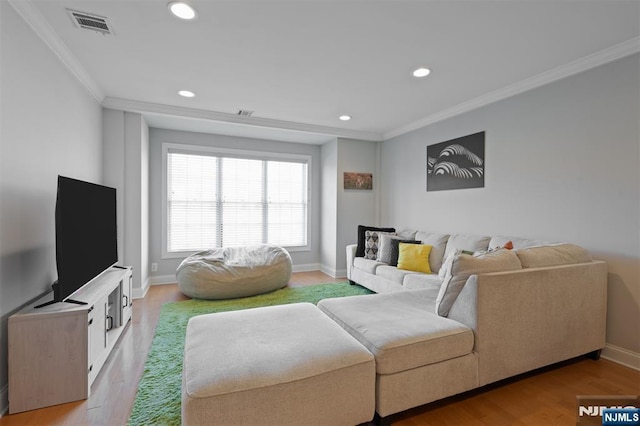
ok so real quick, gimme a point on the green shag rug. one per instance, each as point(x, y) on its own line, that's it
point(160, 390)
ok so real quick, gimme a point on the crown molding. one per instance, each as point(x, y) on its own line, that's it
point(601, 57)
point(32, 16)
point(177, 111)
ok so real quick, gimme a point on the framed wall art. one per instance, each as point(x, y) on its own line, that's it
point(358, 180)
point(456, 163)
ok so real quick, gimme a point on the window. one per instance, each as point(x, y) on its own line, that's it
point(223, 198)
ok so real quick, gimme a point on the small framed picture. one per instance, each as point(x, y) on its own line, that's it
point(358, 180)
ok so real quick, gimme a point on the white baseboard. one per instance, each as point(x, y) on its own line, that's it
point(306, 267)
point(4, 400)
point(162, 279)
point(621, 356)
point(341, 273)
point(139, 293)
point(334, 273)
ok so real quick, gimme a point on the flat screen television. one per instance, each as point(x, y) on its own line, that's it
point(86, 234)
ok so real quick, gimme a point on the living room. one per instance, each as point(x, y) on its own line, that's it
point(562, 155)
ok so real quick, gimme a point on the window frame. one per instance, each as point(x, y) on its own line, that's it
point(229, 152)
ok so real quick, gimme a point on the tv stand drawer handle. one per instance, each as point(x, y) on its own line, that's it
point(109, 323)
point(125, 302)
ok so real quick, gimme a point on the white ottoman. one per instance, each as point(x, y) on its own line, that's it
point(231, 272)
point(277, 365)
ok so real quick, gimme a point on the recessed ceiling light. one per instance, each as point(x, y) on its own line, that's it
point(182, 10)
point(186, 93)
point(421, 72)
point(345, 117)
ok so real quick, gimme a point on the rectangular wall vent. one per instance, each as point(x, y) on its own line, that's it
point(88, 21)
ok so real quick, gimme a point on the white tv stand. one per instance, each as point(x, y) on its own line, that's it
point(56, 352)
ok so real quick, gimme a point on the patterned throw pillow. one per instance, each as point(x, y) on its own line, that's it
point(371, 243)
point(361, 230)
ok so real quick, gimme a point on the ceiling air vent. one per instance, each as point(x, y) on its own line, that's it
point(87, 21)
point(244, 113)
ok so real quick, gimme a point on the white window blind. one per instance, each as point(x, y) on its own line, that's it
point(223, 200)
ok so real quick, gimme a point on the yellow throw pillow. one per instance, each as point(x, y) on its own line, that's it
point(414, 257)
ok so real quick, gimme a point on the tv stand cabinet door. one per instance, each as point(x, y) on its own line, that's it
point(97, 338)
point(127, 297)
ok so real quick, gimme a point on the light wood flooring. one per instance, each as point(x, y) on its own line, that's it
point(544, 397)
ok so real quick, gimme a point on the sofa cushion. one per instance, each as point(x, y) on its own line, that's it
point(414, 257)
point(446, 265)
point(371, 243)
point(246, 367)
point(366, 265)
point(389, 247)
point(438, 242)
point(420, 281)
point(552, 255)
point(361, 231)
point(392, 273)
point(466, 242)
point(406, 233)
point(398, 330)
point(463, 265)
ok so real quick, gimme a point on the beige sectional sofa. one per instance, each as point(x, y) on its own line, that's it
point(477, 319)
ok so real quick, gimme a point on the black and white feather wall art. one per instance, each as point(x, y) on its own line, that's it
point(456, 164)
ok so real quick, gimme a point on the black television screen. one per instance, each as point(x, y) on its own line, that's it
point(86, 234)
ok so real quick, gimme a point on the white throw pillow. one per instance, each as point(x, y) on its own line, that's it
point(463, 265)
point(438, 242)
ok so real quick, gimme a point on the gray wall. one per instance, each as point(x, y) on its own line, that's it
point(302, 260)
point(126, 168)
point(343, 210)
point(329, 207)
point(561, 164)
point(355, 207)
point(49, 125)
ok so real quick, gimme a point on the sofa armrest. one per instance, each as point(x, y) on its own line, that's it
point(527, 319)
point(351, 254)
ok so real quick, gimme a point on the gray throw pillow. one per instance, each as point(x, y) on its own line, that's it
point(388, 248)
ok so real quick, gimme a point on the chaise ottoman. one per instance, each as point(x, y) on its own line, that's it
point(277, 365)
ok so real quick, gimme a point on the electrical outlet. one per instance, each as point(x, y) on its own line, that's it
point(154, 267)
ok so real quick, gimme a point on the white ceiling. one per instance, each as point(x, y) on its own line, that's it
point(300, 64)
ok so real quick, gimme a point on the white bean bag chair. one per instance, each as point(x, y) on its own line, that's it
point(231, 272)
